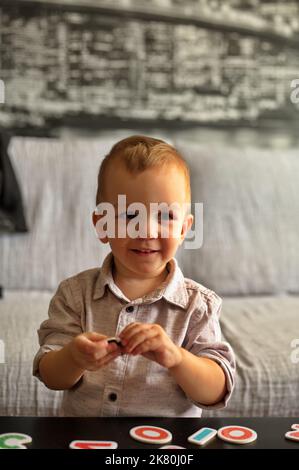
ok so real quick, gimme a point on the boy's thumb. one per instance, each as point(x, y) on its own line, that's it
point(93, 336)
point(88, 342)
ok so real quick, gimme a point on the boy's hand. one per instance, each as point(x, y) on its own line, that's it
point(90, 351)
point(151, 341)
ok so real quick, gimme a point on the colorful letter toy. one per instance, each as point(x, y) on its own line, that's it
point(202, 436)
point(237, 434)
point(151, 434)
point(293, 435)
point(170, 446)
point(14, 440)
point(93, 445)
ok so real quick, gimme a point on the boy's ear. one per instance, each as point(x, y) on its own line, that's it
point(187, 224)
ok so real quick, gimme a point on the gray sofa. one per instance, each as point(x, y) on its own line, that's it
point(250, 256)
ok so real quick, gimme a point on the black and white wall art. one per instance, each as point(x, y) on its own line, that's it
point(132, 62)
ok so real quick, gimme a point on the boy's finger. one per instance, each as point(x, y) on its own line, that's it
point(140, 338)
point(103, 348)
point(90, 347)
point(128, 328)
point(93, 336)
point(102, 362)
point(138, 328)
point(149, 345)
point(112, 347)
point(108, 358)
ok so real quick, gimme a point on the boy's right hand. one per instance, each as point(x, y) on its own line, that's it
point(90, 351)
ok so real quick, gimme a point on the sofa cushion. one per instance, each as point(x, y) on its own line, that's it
point(261, 331)
point(21, 394)
point(250, 219)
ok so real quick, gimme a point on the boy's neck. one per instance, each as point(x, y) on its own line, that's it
point(134, 288)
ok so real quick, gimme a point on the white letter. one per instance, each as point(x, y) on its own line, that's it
point(139, 219)
point(2, 92)
point(2, 349)
point(295, 353)
point(295, 93)
point(122, 222)
point(108, 219)
point(198, 231)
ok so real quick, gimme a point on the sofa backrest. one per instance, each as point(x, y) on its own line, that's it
point(58, 182)
point(250, 215)
point(250, 202)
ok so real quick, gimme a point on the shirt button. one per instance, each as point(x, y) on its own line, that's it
point(130, 308)
point(112, 396)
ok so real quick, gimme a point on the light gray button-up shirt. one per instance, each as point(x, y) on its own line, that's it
point(133, 385)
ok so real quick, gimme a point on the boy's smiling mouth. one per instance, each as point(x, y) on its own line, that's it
point(145, 252)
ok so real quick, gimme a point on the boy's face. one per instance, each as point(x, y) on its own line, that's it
point(155, 185)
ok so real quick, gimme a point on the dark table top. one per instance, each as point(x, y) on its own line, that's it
point(57, 433)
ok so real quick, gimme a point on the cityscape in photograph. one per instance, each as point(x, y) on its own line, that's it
point(209, 62)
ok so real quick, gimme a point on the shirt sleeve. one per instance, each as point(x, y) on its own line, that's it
point(63, 324)
point(204, 339)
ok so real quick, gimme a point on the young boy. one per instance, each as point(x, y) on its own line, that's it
point(168, 359)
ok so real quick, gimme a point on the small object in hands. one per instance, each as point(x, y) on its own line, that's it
point(14, 440)
point(202, 436)
point(237, 434)
point(93, 445)
point(114, 339)
point(151, 434)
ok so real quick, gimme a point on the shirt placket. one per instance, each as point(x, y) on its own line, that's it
point(113, 391)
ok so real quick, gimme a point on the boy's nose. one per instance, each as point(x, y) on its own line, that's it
point(149, 229)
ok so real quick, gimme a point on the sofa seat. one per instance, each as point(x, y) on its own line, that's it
point(261, 329)
point(21, 394)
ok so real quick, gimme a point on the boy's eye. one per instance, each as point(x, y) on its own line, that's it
point(162, 216)
point(128, 215)
point(131, 215)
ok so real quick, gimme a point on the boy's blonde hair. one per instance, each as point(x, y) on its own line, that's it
point(138, 153)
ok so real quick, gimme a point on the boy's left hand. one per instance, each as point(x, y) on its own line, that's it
point(151, 341)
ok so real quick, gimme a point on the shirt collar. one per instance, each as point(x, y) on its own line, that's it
point(173, 289)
